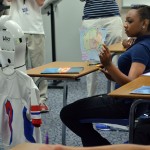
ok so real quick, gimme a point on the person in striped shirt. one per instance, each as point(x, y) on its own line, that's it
point(102, 14)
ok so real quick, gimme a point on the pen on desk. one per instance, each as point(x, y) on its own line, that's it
point(46, 138)
point(93, 64)
point(99, 68)
point(97, 65)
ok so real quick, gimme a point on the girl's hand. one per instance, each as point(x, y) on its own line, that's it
point(105, 56)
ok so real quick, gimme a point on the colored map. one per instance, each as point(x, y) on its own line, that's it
point(91, 41)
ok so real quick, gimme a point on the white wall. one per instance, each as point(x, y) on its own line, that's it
point(128, 3)
point(68, 17)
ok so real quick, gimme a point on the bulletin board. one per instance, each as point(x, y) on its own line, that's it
point(128, 3)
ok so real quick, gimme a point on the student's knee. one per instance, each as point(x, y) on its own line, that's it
point(65, 113)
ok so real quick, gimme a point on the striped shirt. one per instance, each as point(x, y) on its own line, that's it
point(100, 8)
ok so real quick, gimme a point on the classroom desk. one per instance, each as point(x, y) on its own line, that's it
point(117, 48)
point(124, 92)
point(36, 72)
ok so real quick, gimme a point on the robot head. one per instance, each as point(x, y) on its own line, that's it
point(12, 46)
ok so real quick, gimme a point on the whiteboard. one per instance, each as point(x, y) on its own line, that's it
point(128, 3)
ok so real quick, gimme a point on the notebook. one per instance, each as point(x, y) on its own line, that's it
point(141, 90)
point(63, 70)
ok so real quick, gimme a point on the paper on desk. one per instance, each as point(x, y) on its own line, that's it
point(147, 74)
point(141, 90)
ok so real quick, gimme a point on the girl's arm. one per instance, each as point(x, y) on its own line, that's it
point(136, 69)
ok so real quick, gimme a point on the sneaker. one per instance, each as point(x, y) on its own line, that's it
point(44, 108)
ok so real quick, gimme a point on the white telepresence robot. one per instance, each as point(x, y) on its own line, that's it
point(20, 116)
point(12, 46)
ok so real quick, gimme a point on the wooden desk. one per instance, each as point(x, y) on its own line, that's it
point(117, 48)
point(36, 72)
point(124, 92)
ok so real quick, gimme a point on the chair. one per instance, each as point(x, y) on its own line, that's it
point(134, 113)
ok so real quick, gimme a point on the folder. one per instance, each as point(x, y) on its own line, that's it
point(63, 70)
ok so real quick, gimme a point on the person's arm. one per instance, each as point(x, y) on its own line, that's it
point(136, 68)
point(110, 147)
point(40, 2)
point(107, 75)
point(31, 146)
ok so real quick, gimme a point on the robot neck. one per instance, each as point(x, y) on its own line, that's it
point(8, 70)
